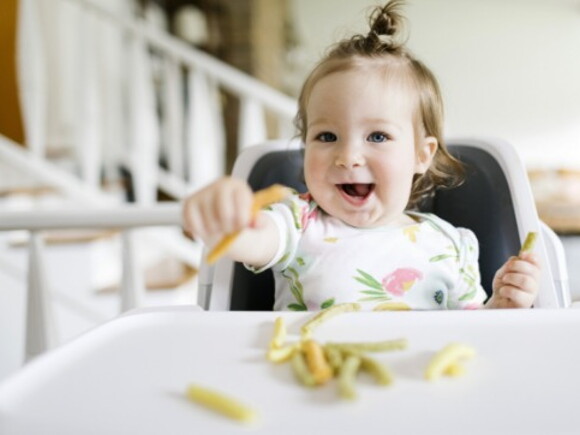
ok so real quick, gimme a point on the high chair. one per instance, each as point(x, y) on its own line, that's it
point(495, 202)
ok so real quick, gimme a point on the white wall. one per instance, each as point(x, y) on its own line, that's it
point(507, 68)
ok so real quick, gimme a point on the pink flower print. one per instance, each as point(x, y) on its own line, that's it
point(401, 280)
point(307, 213)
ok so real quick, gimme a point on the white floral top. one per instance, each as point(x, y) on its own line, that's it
point(322, 261)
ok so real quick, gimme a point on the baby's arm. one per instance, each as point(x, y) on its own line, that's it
point(516, 283)
point(224, 207)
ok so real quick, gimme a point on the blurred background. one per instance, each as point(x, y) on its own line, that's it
point(109, 102)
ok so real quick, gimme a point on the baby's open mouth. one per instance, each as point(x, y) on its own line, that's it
point(357, 190)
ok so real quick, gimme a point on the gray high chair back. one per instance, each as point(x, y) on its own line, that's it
point(495, 202)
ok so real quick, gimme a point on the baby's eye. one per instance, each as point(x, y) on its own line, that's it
point(377, 136)
point(326, 137)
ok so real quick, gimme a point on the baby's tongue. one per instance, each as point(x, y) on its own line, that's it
point(357, 189)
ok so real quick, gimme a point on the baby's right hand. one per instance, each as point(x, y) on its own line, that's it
point(223, 207)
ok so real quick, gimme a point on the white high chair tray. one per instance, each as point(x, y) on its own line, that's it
point(129, 376)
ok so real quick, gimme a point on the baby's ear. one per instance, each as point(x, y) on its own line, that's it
point(426, 149)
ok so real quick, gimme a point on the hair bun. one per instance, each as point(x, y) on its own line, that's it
point(386, 26)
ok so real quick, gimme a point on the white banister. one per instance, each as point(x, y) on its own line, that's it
point(31, 64)
point(89, 137)
point(119, 217)
point(38, 321)
point(206, 153)
point(132, 287)
point(229, 77)
point(134, 221)
point(45, 172)
point(173, 110)
point(252, 123)
point(144, 131)
point(114, 120)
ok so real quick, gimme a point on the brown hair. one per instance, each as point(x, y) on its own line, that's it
point(384, 47)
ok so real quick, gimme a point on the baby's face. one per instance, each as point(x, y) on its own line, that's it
point(360, 151)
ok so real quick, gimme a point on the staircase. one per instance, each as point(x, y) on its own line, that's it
point(143, 116)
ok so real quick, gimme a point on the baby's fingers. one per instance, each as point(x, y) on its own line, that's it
point(233, 208)
point(527, 264)
point(517, 297)
point(523, 282)
point(198, 216)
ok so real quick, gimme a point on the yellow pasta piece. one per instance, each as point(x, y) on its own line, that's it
point(324, 315)
point(529, 243)
point(371, 346)
point(262, 198)
point(347, 377)
point(221, 403)
point(379, 371)
point(279, 333)
point(455, 369)
point(301, 370)
point(447, 356)
point(316, 361)
point(334, 357)
point(281, 354)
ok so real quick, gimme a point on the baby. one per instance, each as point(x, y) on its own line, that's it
point(371, 119)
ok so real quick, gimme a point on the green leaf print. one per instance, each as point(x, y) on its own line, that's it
point(296, 215)
point(453, 254)
point(468, 296)
point(373, 292)
point(441, 257)
point(375, 298)
point(295, 285)
point(300, 261)
point(469, 275)
point(327, 304)
point(297, 307)
point(376, 292)
point(368, 280)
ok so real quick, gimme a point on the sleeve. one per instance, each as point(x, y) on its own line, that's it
point(288, 216)
point(468, 292)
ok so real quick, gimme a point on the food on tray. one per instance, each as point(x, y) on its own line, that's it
point(371, 346)
point(379, 371)
point(447, 361)
point(301, 370)
point(326, 314)
point(315, 363)
point(221, 403)
point(279, 333)
point(347, 377)
point(262, 198)
point(316, 360)
point(282, 354)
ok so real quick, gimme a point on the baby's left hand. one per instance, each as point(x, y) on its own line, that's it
point(516, 283)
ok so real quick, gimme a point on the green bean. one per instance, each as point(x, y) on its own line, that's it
point(379, 371)
point(371, 346)
point(347, 377)
point(529, 243)
point(326, 314)
point(334, 357)
point(301, 370)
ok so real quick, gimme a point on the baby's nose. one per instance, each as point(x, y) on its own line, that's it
point(349, 157)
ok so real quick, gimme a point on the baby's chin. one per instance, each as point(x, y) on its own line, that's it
point(368, 220)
